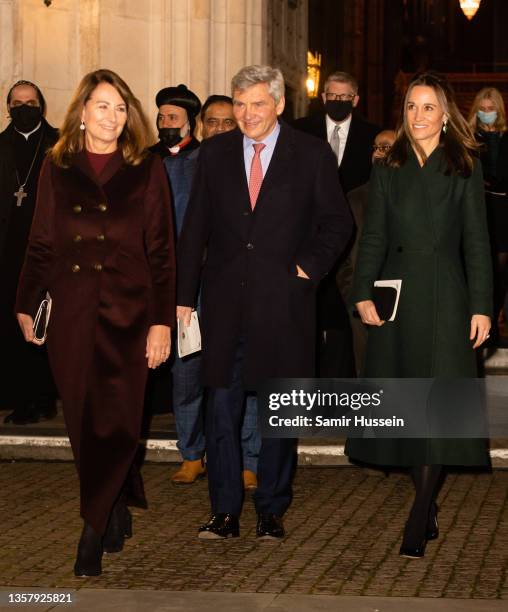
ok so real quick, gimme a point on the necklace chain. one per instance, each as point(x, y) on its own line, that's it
point(22, 185)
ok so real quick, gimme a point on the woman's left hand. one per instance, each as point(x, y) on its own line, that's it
point(158, 345)
point(480, 327)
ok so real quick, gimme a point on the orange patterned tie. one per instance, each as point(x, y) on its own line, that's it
point(256, 174)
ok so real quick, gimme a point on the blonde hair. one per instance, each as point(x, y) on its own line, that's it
point(136, 135)
point(493, 94)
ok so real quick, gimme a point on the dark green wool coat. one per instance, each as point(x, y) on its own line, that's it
point(429, 230)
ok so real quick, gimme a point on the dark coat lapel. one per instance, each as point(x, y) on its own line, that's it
point(321, 127)
point(352, 137)
point(279, 164)
point(316, 125)
point(237, 177)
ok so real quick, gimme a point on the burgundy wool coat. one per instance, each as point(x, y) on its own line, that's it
point(104, 249)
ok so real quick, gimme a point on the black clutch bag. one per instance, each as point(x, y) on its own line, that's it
point(41, 319)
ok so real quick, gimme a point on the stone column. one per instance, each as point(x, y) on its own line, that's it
point(207, 41)
point(8, 32)
point(89, 35)
point(151, 44)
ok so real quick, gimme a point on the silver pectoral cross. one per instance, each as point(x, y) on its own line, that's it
point(20, 194)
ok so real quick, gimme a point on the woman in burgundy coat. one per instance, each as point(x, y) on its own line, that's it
point(102, 244)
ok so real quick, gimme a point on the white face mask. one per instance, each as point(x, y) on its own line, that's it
point(487, 118)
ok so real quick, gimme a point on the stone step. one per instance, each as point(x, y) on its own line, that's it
point(496, 359)
point(310, 452)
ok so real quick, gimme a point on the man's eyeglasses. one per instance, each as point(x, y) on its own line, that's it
point(341, 97)
point(384, 148)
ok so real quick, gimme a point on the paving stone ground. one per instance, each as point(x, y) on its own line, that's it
point(344, 529)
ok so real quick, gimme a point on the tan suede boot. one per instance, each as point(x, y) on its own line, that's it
point(189, 472)
point(250, 481)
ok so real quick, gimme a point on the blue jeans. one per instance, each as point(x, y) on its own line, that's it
point(188, 411)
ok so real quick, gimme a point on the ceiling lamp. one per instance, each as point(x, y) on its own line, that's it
point(469, 7)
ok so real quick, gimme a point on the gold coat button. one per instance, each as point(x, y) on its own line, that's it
point(101, 237)
point(97, 267)
point(75, 268)
point(78, 238)
point(103, 207)
point(77, 209)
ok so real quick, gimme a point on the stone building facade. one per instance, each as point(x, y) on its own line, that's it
point(151, 44)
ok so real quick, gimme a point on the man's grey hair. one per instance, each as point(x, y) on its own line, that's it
point(253, 75)
point(342, 77)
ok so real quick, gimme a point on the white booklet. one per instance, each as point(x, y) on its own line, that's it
point(189, 338)
point(386, 298)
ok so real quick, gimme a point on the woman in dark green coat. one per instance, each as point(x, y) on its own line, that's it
point(426, 225)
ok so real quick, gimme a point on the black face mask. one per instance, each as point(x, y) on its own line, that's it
point(25, 118)
point(338, 110)
point(170, 136)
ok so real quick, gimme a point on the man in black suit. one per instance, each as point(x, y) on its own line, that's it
point(351, 139)
point(267, 206)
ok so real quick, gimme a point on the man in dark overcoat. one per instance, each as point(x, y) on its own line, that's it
point(351, 138)
point(267, 207)
point(27, 385)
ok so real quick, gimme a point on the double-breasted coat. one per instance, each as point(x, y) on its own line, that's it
point(103, 247)
point(250, 288)
point(429, 230)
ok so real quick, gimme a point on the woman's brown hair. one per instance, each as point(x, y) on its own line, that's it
point(457, 142)
point(493, 94)
point(136, 135)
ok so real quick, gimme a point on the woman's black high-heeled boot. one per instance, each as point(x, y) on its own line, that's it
point(89, 557)
point(425, 479)
point(119, 527)
point(414, 542)
point(432, 532)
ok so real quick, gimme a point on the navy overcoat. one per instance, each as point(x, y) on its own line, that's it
point(250, 286)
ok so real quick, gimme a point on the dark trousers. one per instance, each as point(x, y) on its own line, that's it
point(277, 457)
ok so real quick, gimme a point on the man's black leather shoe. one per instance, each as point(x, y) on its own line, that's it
point(219, 527)
point(413, 552)
point(269, 527)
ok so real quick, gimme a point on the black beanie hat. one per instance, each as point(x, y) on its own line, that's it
point(183, 97)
